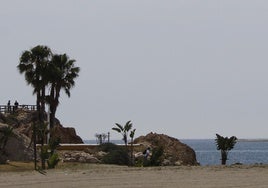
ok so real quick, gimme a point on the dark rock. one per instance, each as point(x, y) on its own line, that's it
point(67, 135)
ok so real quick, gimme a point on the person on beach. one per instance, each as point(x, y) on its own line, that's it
point(146, 153)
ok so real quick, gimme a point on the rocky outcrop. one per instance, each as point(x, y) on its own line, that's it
point(67, 135)
point(175, 152)
point(19, 146)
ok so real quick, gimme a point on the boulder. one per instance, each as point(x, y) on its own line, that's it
point(22, 121)
point(78, 156)
point(175, 152)
point(18, 147)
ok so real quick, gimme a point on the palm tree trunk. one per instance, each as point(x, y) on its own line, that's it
point(52, 120)
point(40, 122)
point(35, 128)
point(131, 155)
point(223, 157)
point(34, 142)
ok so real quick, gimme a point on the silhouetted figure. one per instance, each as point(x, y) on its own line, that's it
point(8, 106)
point(16, 104)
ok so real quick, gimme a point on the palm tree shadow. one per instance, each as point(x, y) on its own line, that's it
point(41, 171)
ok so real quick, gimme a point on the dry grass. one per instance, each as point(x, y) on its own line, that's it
point(16, 166)
point(73, 166)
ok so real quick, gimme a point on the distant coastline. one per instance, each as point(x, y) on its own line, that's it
point(253, 140)
point(119, 141)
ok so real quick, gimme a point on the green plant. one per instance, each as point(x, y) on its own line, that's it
point(48, 153)
point(225, 144)
point(118, 157)
point(115, 154)
point(53, 144)
point(156, 157)
point(47, 73)
point(123, 130)
point(101, 137)
point(62, 73)
point(53, 160)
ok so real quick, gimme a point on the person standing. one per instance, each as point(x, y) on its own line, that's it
point(146, 153)
point(8, 106)
point(16, 105)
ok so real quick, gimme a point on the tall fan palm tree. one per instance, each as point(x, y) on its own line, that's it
point(225, 144)
point(123, 130)
point(63, 72)
point(33, 64)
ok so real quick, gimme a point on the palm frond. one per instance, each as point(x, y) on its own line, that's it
point(120, 127)
point(116, 129)
point(128, 126)
point(132, 133)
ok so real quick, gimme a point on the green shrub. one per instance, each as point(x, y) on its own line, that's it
point(115, 154)
point(118, 156)
point(53, 160)
point(48, 153)
point(156, 157)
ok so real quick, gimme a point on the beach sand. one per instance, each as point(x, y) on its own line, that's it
point(102, 176)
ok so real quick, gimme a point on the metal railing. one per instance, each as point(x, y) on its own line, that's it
point(14, 108)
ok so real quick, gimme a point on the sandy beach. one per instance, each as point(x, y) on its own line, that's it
point(255, 176)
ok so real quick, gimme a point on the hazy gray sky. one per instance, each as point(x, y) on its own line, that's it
point(185, 68)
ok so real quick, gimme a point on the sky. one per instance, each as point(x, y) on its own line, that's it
point(185, 68)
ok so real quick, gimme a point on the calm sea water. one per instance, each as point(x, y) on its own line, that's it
point(245, 152)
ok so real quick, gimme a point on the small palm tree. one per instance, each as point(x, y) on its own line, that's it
point(123, 130)
point(225, 144)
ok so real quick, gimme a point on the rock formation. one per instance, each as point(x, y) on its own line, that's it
point(175, 152)
point(19, 146)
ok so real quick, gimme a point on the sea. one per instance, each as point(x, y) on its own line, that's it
point(245, 151)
